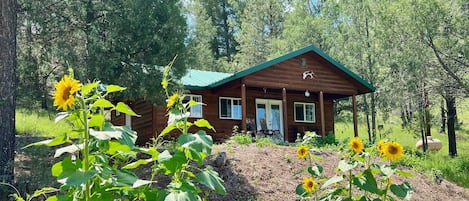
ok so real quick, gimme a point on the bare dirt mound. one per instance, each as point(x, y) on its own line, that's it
point(270, 173)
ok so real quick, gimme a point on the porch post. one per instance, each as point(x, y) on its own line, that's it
point(323, 121)
point(355, 120)
point(243, 106)
point(285, 122)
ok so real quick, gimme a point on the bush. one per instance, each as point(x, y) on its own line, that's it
point(313, 139)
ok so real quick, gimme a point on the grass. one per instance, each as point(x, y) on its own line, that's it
point(434, 163)
point(39, 123)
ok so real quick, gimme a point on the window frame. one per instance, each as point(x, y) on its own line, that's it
point(191, 96)
point(232, 108)
point(304, 111)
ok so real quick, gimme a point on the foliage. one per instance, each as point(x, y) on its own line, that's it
point(264, 142)
point(360, 176)
point(312, 139)
point(99, 164)
point(122, 41)
point(241, 138)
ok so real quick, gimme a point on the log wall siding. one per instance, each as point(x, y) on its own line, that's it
point(288, 74)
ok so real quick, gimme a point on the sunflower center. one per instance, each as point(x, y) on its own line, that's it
point(392, 149)
point(310, 184)
point(66, 93)
point(355, 145)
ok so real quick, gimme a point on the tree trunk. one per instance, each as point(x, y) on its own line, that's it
point(367, 114)
point(443, 117)
point(451, 114)
point(7, 90)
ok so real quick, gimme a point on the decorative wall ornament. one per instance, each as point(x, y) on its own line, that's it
point(308, 75)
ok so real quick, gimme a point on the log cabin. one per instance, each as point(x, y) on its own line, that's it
point(290, 94)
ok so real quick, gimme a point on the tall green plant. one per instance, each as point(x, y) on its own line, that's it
point(98, 165)
point(360, 176)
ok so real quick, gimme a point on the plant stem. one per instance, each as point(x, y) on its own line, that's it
point(385, 195)
point(350, 184)
point(86, 149)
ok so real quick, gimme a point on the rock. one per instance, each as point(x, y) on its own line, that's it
point(220, 160)
point(433, 144)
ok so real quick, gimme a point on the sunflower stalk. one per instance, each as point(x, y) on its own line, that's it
point(86, 149)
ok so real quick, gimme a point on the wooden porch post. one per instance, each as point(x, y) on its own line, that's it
point(285, 122)
point(243, 107)
point(323, 118)
point(355, 120)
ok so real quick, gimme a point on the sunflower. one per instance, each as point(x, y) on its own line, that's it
point(172, 100)
point(357, 145)
point(381, 145)
point(393, 151)
point(309, 184)
point(164, 83)
point(302, 152)
point(64, 91)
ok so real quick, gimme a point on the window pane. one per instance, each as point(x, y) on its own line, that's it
point(309, 112)
point(196, 111)
point(299, 112)
point(225, 108)
point(237, 109)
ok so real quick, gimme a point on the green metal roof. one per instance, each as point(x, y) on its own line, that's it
point(196, 79)
point(200, 79)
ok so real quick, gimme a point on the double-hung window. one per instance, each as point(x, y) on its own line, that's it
point(230, 108)
point(305, 112)
point(196, 110)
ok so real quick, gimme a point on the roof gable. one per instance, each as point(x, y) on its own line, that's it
point(223, 78)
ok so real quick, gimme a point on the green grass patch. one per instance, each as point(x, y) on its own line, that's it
point(39, 124)
point(435, 163)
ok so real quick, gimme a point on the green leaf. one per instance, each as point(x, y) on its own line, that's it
point(315, 170)
point(125, 178)
point(387, 171)
point(52, 198)
point(60, 116)
point(96, 121)
point(180, 196)
point(114, 88)
point(137, 163)
point(202, 123)
point(79, 178)
point(123, 108)
point(172, 162)
point(168, 129)
point(210, 178)
point(65, 168)
point(344, 166)
point(102, 103)
point(301, 191)
point(199, 145)
point(68, 149)
point(140, 182)
point(367, 182)
point(332, 180)
point(403, 191)
point(117, 147)
point(151, 151)
point(105, 135)
point(404, 173)
point(53, 142)
point(87, 88)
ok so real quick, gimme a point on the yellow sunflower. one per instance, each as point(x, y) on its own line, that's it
point(381, 145)
point(393, 151)
point(309, 184)
point(64, 91)
point(302, 152)
point(357, 145)
point(164, 83)
point(172, 100)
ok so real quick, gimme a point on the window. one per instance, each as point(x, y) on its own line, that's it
point(230, 108)
point(305, 112)
point(196, 110)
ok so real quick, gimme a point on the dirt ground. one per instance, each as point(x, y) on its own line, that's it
point(250, 173)
point(269, 173)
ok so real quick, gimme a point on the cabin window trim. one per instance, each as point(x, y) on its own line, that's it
point(232, 108)
point(197, 98)
point(304, 108)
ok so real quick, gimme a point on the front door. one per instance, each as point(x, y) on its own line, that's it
point(269, 116)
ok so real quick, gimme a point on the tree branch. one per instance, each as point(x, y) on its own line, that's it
point(445, 67)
